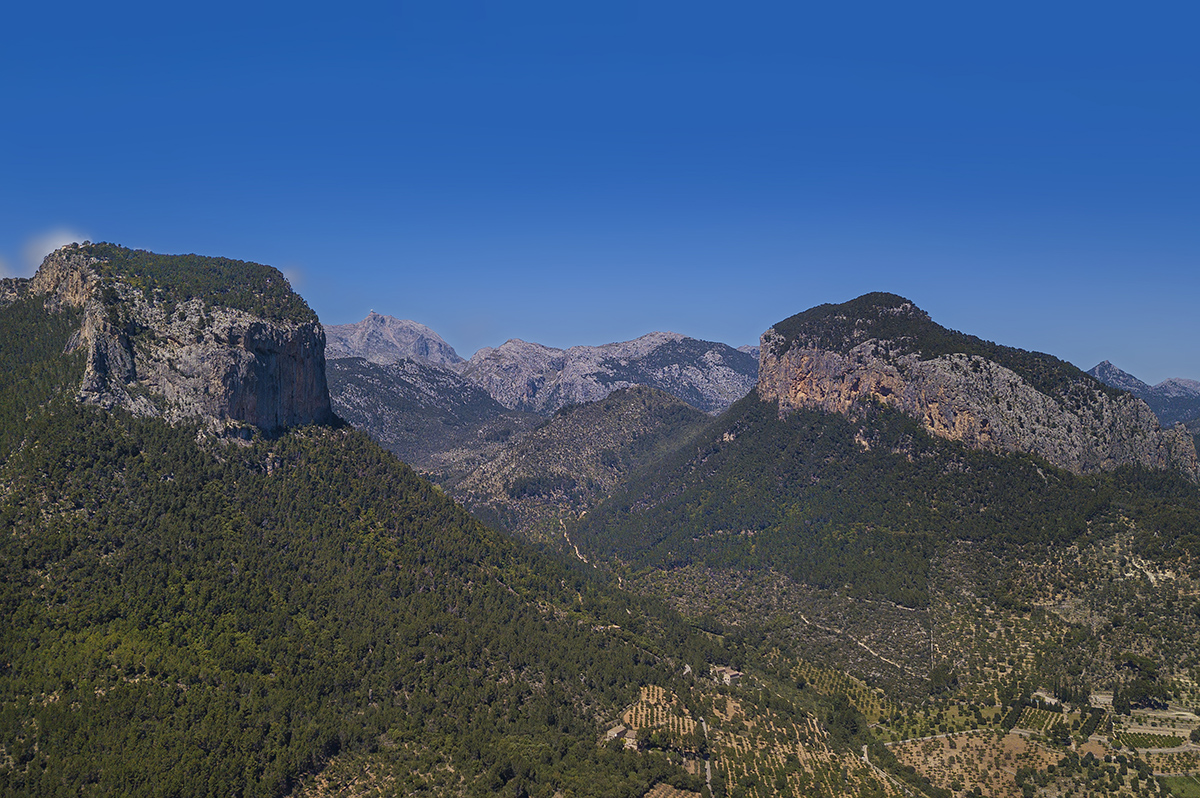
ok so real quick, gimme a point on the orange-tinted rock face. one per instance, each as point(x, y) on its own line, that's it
point(970, 399)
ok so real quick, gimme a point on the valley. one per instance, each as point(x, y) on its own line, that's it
point(883, 559)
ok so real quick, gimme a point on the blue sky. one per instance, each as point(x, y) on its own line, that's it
point(578, 173)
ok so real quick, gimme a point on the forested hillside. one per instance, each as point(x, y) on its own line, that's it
point(572, 460)
point(218, 623)
point(865, 504)
point(193, 616)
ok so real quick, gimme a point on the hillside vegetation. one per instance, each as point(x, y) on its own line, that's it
point(863, 504)
point(569, 462)
point(174, 279)
point(196, 617)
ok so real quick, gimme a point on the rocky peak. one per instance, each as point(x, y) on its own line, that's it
point(1175, 400)
point(385, 339)
point(881, 348)
point(1178, 388)
point(1109, 374)
point(187, 337)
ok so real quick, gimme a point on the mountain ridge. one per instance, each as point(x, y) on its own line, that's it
point(882, 348)
point(528, 376)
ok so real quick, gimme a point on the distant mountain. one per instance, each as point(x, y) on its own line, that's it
point(427, 416)
point(385, 339)
point(1109, 374)
point(402, 384)
point(527, 376)
point(1173, 400)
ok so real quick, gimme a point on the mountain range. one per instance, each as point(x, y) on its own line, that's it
point(403, 384)
point(540, 379)
point(887, 559)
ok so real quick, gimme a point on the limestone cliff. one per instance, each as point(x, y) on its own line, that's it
point(188, 337)
point(881, 348)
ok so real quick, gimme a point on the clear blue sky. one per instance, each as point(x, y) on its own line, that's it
point(587, 172)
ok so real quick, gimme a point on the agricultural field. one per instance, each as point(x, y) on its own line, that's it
point(977, 759)
point(1050, 692)
point(1132, 740)
point(667, 791)
point(871, 702)
point(750, 749)
point(1183, 786)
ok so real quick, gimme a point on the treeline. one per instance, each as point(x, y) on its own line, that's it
point(174, 279)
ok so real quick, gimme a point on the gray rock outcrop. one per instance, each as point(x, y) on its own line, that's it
point(190, 360)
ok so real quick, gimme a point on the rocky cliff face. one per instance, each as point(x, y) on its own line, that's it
point(185, 359)
point(540, 379)
point(964, 396)
point(384, 339)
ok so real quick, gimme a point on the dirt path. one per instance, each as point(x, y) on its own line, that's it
point(883, 774)
point(859, 643)
point(562, 524)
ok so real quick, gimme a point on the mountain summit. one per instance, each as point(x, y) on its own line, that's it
point(1110, 375)
point(186, 336)
point(881, 348)
point(1173, 400)
point(386, 339)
